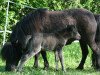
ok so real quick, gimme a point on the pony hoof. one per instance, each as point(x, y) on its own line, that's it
point(79, 68)
point(18, 69)
point(56, 69)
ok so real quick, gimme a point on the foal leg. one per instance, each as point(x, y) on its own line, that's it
point(61, 59)
point(44, 56)
point(56, 59)
point(85, 52)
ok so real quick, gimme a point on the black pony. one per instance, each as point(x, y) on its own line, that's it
point(28, 32)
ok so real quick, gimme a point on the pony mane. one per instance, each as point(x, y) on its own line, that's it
point(6, 51)
point(9, 53)
point(29, 24)
point(32, 22)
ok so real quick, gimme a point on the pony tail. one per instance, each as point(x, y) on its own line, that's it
point(97, 18)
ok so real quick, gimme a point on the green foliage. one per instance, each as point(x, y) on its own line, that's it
point(21, 7)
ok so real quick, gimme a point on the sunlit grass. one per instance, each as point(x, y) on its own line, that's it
point(72, 57)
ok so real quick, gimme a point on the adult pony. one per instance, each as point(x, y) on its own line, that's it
point(29, 30)
point(83, 44)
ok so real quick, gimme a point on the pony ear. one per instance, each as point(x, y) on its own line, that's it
point(41, 11)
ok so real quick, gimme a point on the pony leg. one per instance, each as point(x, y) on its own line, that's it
point(96, 52)
point(34, 47)
point(24, 58)
point(44, 56)
point(85, 52)
point(96, 56)
point(36, 60)
point(94, 62)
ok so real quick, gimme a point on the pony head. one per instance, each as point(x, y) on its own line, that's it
point(11, 56)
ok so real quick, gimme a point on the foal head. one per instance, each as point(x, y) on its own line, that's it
point(71, 32)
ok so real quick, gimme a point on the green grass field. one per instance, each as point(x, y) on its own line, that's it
point(72, 57)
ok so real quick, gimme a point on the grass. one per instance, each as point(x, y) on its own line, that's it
point(72, 57)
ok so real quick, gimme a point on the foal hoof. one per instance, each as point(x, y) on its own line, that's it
point(56, 69)
point(64, 70)
point(45, 68)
